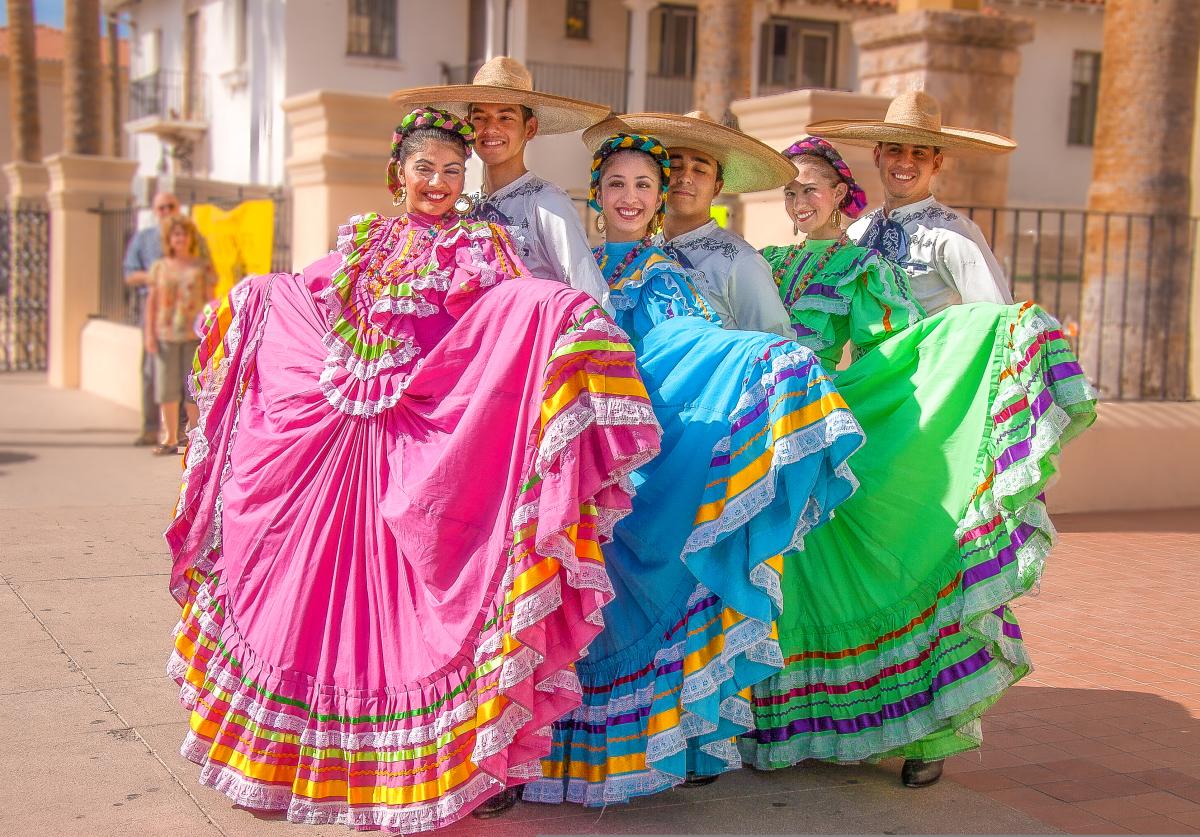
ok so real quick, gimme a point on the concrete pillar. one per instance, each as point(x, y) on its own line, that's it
point(1137, 274)
point(340, 144)
point(497, 29)
point(762, 11)
point(723, 61)
point(1194, 315)
point(78, 183)
point(27, 183)
point(639, 53)
point(518, 30)
point(24, 338)
point(969, 62)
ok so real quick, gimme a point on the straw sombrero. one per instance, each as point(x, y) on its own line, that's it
point(913, 118)
point(506, 81)
point(747, 165)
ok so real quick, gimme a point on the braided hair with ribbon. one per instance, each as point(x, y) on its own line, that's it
point(632, 142)
point(425, 122)
point(856, 199)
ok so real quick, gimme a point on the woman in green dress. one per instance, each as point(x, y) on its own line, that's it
point(896, 628)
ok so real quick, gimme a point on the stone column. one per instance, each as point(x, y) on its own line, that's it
point(78, 183)
point(639, 53)
point(724, 40)
point(968, 61)
point(518, 30)
point(338, 166)
point(762, 11)
point(1137, 273)
point(497, 29)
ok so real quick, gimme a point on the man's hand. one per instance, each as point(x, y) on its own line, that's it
point(137, 279)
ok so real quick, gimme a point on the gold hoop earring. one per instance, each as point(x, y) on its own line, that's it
point(601, 224)
point(400, 196)
point(837, 218)
point(795, 227)
point(464, 205)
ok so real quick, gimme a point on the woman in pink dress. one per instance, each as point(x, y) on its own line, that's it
point(387, 544)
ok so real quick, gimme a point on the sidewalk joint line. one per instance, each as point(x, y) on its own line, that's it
point(125, 723)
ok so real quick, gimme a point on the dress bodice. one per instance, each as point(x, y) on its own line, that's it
point(648, 288)
point(838, 294)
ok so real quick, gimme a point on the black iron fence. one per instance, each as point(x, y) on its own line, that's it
point(119, 302)
point(168, 94)
point(24, 287)
point(1120, 283)
point(118, 224)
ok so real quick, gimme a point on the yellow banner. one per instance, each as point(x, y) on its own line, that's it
point(239, 240)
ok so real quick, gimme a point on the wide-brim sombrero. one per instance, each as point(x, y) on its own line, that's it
point(913, 118)
point(747, 165)
point(506, 81)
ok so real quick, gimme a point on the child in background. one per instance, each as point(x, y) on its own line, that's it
point(180, 284)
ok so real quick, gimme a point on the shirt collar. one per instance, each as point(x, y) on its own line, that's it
point(702, 231)
point(504, 190)
point(912, 208)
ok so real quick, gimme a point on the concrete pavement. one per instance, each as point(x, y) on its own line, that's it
point(91, 725)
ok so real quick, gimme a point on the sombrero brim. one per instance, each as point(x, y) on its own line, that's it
point(555, 114)
point(747, 165)
point(869, 132)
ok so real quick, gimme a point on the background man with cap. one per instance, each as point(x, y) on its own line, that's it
point(944, 253)
point(507, 113)
point(708, 158)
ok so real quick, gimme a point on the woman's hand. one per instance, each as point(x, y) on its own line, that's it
point(151, 344)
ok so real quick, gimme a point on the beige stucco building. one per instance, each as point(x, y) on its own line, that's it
point(629, 54)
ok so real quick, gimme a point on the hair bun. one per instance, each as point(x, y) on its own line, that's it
point(426, 117)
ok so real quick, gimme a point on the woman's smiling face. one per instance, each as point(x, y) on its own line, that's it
point(812, 197)
point(630, 194)
point(433, 177)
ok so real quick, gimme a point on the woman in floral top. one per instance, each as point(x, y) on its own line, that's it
point(180, 284)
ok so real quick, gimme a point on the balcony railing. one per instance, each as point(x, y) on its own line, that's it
point(168, 94)
point(603, 85)
point(669, 95)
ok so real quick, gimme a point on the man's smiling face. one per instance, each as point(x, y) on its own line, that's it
point(501, 132)
point(907, 170)
point(695, 182)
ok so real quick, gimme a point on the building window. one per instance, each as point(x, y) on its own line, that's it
point(1085, 89)
point(677, 41)
point(578, 15)
point(796, 54)
point(372, 28)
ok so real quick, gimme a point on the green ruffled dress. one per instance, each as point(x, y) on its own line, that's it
point(896, 628)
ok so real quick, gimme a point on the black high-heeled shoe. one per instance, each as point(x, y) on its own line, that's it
point(497, 805)
point(918, 773)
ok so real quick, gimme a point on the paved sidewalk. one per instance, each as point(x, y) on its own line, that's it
point(1105, 736)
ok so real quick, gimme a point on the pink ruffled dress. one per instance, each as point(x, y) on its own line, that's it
point(387, 544)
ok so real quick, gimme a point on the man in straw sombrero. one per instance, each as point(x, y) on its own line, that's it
point(507, 113)
point(945, 254)
point(708, 158)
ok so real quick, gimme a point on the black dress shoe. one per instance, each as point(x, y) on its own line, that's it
point(497, 805)
point(694, 781)
point(918, 773)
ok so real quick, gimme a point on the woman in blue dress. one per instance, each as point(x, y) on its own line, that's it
point(754, 450)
